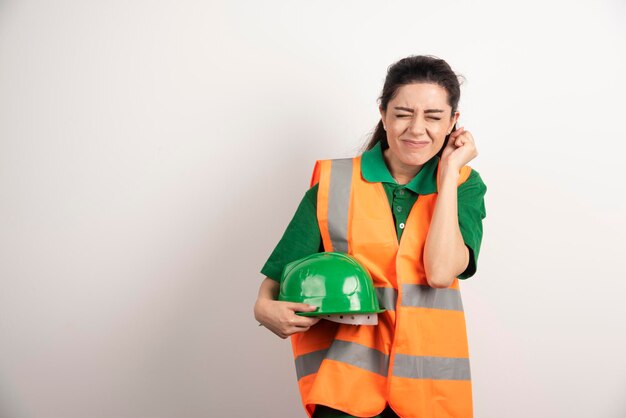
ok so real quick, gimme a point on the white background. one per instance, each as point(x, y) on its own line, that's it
point(152, 153)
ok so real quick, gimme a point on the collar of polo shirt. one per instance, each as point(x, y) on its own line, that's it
point(374, 170)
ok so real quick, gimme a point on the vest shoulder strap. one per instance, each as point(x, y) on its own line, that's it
point(333, 200)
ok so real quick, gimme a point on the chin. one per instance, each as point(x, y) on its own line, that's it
point(416, 159)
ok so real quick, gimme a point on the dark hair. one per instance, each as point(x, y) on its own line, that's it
point(416, 69)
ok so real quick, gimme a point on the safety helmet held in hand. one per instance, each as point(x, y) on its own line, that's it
point(336, 283)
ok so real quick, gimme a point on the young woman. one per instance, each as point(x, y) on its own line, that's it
point(414, 214)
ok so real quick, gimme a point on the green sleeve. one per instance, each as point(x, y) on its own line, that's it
point(471, 209)
point(301, 238)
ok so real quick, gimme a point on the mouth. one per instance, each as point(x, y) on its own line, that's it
point(415, 144)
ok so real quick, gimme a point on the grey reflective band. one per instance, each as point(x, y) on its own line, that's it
point(347, 352)
point(420, 296)
point(423, 296)
point(370, 359)
point(309, 363)
point(387, 297)
point(339, 202)
point(359, 356)
point(423, 367)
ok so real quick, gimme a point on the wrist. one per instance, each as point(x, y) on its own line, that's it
point(449, 169)
point(448, 174)
point(260, 308)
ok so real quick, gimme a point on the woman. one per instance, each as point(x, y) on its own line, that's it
point(415, 362)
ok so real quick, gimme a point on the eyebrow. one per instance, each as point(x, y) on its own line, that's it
point(407, 109)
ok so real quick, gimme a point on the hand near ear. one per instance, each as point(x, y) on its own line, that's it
point(460, 150)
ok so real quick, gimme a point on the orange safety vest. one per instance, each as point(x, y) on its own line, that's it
point(416, 359)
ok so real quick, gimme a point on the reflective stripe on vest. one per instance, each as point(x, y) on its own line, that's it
point(424, 367)
point(347, 352)
point(387, 297)
point(414, 367)
point(339, 202)
point(420, 296)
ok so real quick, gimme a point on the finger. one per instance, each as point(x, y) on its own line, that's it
point(295, 330)
point(310, 321)
point(467, 136)
point(469, 142)
point(302, 328)
point(302, 307)
point(303, 321)
point(299, 329)
point(455, 143)
point(457, 132)
point(279, 332)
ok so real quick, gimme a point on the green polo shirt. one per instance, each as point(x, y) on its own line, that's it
point(302, 236)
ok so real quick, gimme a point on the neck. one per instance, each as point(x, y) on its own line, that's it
point(401, 173)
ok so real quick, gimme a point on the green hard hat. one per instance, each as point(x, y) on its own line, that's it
point(334, 282)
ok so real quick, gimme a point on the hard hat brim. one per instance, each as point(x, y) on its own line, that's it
point(318, 313)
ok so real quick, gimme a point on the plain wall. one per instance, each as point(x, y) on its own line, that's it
point(153, 152)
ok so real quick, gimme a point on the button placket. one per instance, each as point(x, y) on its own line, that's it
point(400, 197)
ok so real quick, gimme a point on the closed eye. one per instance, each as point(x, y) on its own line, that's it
point(408, 116)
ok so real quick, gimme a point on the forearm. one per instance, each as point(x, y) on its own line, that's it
point(269, 289)
point(445, 253)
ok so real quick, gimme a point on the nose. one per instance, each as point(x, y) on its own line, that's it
point(417, 125)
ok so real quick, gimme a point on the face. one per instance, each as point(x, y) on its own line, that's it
point(417, 121)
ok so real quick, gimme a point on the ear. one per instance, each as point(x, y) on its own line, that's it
point(382, 116)
point(453, 120)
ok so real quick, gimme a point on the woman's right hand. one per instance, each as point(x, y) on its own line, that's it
point(278, 316)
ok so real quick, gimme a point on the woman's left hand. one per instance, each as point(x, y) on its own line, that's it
point(460, 150)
